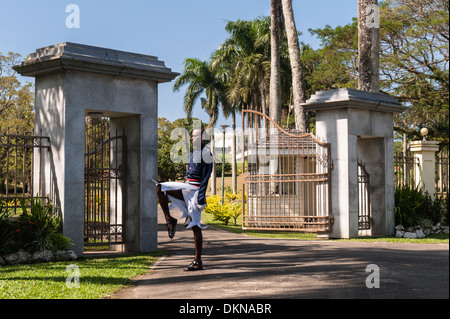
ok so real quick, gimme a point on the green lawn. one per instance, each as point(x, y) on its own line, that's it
point(208, 219)
point(99, 277)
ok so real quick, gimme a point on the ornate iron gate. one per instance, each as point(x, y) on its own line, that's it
point(21, 175)
point(105, 184)
point(364, 221)
point(286, 185)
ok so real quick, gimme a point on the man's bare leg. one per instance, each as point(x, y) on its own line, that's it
point(164, 203)
point(198, 243)
point(198, 236)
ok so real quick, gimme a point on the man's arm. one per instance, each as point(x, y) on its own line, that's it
point(206, 173)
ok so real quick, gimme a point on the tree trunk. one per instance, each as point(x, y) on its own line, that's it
point(275, 81)
point(233, 153)
point(296, 66)
point(213, 172)
point(368, 45)
point(263, 101)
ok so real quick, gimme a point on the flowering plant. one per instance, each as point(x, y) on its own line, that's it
point(231, 207)
point(38, 224)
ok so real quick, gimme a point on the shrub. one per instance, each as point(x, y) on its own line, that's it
point(444, 209)
point(38, 226)
point(413, 207)
point(8, 230)
point(235, 204)
point(235, 210)
point(231, 208)
point(227, 169)
point(59, 242)
point(214, 206)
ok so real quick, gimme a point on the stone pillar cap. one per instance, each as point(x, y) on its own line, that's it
point(351, 98)
point(74, 56)
point(424, 146)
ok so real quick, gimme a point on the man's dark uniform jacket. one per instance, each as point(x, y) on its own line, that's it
point(199, 171)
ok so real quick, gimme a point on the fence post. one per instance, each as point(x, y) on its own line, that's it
point(425, 152)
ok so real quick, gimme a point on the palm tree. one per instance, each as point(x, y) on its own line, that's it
point(276, 18)
point(298, 91)
point(246, 54)
point(244, 58)
point(202, 78)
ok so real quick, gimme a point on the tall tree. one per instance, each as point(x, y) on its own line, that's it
point(168, 170)
point(246, 53)
point(298, 91)
point(368, 45)
point(414, 62)
point(276, 28)
point(16, 100)
point(244, 57)
point(335, 63)
point(202, 79)
point(16, 106)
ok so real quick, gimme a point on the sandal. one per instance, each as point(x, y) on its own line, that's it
point(172, 230)
point(195, 265)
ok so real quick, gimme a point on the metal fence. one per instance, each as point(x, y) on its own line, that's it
point(442, 174)
point(404, 168)
point(364, 214)
point(21, 155)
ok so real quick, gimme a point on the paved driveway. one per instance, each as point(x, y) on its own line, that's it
point(239, 266)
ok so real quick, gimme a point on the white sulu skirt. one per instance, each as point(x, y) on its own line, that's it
point(189, 206)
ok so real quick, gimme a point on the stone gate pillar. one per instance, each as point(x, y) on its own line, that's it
point(359, 126)
point(72, 80)
point(425, 172)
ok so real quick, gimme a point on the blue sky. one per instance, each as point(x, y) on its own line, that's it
point(172, 30)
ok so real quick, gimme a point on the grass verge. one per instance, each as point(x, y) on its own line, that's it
point(208, 219)
point(431, 239)
point(99, 277)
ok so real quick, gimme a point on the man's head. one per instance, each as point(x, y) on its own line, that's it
point(196, 136)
